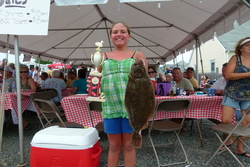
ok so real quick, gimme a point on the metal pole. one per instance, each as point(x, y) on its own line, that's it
point(197, 57)
point(3, 96)
point(183, 63)
point(19, 104)
point(202, 70)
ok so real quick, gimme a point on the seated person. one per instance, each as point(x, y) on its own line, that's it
point(9, 78)
point(44, 78)
point(185, 74)
point(168, 77)
point(71, 78)
point(62, 77)
point(182, 82)
point(80, 85)
point(190, 74)
point(152, 73)
point(27, 83)
point(221, 83)
point(186, 85)
point(161, 78)
point(56, 83)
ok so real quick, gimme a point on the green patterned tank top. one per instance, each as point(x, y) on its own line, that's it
point(239, 89)
point(114, 83)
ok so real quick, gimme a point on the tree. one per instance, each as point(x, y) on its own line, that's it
point(43, 61)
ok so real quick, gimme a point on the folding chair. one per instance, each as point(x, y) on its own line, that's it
point(231, 130)
point(49, 111)
point(170, 105)
point(95, 106)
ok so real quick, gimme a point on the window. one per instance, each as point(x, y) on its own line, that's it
point(212, 65)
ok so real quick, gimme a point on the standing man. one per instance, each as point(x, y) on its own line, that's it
point(36, 75)
point(190, 74)
point(182, 82)
point(50, 72)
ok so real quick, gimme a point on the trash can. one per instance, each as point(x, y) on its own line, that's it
point(65, 147)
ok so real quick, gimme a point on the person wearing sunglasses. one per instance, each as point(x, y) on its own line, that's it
point(27, 83)
point(152, 73)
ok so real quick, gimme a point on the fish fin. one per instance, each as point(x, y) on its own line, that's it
point(136, 139)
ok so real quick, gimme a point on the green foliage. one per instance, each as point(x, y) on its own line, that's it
point(43, 61)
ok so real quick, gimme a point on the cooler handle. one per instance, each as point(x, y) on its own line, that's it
point(94, 156)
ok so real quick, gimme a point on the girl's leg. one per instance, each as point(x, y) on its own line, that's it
point(115, 145)
point(239, 146)
point(128, 150)
point(227, 115)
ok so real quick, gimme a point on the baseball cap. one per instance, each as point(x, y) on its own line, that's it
point(190, 68)
point(9, 69)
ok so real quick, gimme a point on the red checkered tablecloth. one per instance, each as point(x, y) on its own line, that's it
point(11, 101)
point(76, 109)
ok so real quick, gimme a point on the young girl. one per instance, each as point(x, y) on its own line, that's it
point(115, 71)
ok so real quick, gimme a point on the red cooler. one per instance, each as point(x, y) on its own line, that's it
point(65, 147)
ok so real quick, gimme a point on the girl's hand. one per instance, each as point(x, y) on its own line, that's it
point(88, 81)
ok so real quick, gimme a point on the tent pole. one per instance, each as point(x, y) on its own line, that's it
point(19, 104)
point(3, 96)
point(183, 63)
point(197, 57)
point(202, 70)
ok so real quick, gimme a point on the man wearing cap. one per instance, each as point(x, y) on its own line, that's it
point(12, 65)
point(190, 73)
point(9, 78)
point(4, 62)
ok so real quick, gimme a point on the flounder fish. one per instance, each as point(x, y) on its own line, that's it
point(139, 100)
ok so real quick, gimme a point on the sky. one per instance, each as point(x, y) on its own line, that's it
point(186, 57)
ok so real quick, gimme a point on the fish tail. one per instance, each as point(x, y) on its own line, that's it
point(136, 139)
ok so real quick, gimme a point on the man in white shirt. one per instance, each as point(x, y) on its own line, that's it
point(57, 84)
point(36, 75)
point(44, 78)
point(221, 83)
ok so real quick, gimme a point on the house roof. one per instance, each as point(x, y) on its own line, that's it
point(229, 39)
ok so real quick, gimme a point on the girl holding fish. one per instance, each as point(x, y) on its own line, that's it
point(115, 71)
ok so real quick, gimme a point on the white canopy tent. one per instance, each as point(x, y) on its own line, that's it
point(160, 33)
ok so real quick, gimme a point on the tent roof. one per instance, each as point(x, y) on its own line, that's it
point(159, 33)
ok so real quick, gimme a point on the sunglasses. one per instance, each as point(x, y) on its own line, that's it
point(23, 71)
point(150, 72)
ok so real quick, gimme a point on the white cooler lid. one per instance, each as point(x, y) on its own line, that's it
point(65, 138)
